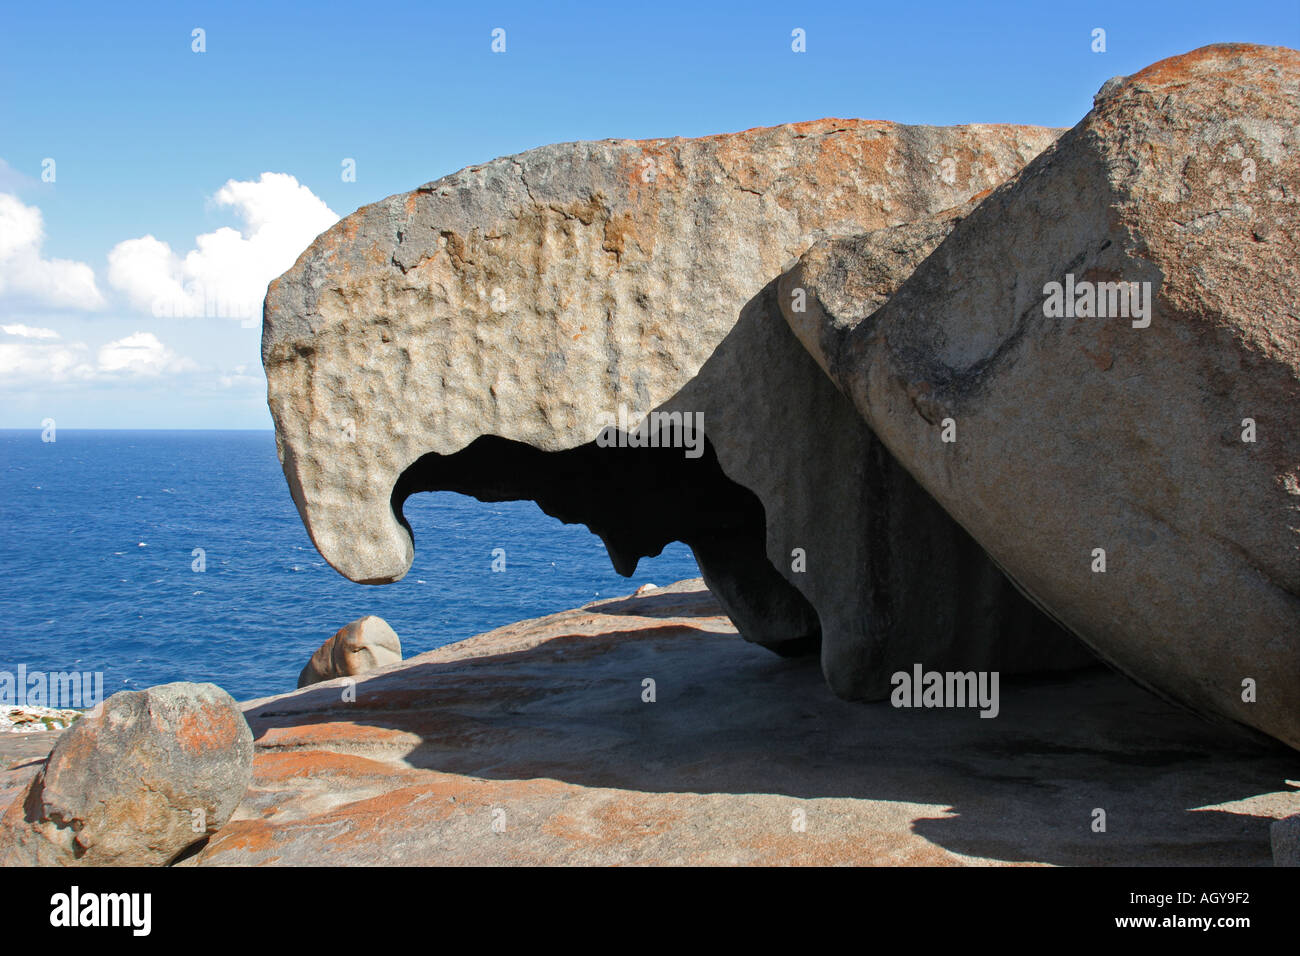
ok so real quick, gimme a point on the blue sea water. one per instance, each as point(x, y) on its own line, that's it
point(97, 563)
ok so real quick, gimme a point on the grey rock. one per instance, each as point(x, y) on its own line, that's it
point(153, 773)
point(479, 334)
point(366, 644)
point(1108, 89)
point(1084, 433)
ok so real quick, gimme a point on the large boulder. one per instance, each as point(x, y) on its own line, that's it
point(366, 644)
point(1133, 463)
point(153, 773)
point(490, 333)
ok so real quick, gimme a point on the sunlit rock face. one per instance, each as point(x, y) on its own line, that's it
point(1114, 335)
point(501, 331)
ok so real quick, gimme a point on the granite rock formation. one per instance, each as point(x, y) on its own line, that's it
point(1113, 336)
point(154, 773)
point(366, 644)
point(485, 332)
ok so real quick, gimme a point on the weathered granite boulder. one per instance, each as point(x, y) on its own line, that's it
point(485, 332)
point(840, 282)
point(155, 772)
point(366, 644)
point(1133, 462)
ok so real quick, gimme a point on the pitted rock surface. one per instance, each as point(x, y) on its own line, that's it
point(478, 334)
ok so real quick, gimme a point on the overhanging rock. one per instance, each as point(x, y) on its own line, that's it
point(479, 333)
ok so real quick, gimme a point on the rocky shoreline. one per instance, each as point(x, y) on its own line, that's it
point(947, 417)
point(536, 744)
point(31, 718)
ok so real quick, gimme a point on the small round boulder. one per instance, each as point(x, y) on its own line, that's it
point(365, 645)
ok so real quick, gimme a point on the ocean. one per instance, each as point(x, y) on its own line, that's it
point(98, 563)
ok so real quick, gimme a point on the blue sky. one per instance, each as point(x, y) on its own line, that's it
point(146, 135)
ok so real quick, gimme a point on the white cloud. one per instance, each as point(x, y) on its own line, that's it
point(238, 378)
point(146, 271)
point(62, 283)
point(28, 331)
point(227, 272)
point(139, 355)
point(28, 362)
